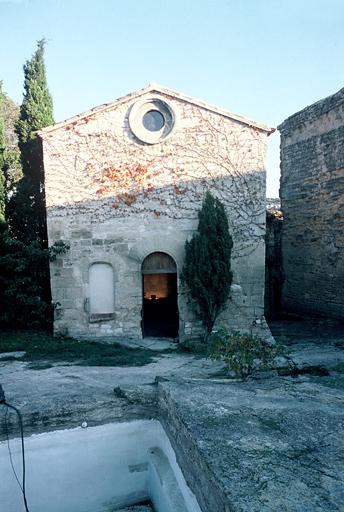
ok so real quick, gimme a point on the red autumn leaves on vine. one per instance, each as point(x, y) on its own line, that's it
point(130, 181)
point(126, 177)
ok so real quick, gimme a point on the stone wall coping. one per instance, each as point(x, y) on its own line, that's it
point(312, 112)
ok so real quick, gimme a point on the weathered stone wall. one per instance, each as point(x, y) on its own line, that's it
point(115, 200)
point(312, 199)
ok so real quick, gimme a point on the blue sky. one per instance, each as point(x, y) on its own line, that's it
point(264, 59)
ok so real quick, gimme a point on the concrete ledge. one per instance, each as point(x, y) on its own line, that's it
point(197, 474)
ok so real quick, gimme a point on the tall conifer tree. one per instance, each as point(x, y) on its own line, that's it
point(10, 154)
point(25, 297)
point(207, 268)
point(2, 161)
point(28, 220)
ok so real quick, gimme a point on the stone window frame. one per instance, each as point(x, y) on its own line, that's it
point(140, 108)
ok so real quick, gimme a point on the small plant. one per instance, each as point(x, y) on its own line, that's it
point(59, 247)
point(242, 353)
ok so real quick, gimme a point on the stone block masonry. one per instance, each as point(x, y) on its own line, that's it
point(312, 200)
point(126, 180)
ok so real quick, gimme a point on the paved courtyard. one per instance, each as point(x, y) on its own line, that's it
point(272, 443)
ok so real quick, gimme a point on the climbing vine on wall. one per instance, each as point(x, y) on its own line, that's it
point(171, 178)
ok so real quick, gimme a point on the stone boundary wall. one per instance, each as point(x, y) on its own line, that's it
point(312, 200)
point(198, 476)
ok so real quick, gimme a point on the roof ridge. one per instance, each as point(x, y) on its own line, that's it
point(154, 86)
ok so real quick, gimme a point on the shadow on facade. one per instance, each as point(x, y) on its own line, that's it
point(121, 232)
point(273, 265)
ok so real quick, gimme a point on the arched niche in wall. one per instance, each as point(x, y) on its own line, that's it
point(101, 286)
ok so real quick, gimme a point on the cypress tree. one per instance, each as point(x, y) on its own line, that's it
point(24, 258)
point(10, 167)
point(28, 220)
point(207, 267)
point(10, 156)
point(2, 161)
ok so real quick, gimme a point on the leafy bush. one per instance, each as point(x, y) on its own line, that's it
point(25, 299)
point(24, 284)
point(242, 353)
point(58, 248)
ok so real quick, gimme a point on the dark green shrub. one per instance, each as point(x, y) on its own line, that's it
point(25, 299)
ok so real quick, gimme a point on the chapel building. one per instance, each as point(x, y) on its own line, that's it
point(124, 183)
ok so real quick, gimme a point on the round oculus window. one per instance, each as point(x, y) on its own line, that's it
point(151, 120)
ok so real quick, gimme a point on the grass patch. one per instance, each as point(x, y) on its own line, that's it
point(39, 365)
point(339, 368)
point(317, 371)
point(42, 349)
point(9, 358)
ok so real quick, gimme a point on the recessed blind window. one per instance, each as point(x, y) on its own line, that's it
point(101, 289)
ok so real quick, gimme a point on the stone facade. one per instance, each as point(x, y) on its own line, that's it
point(312, 199)
point(119, 189)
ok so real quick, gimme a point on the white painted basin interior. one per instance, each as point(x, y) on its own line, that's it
point(96, 469)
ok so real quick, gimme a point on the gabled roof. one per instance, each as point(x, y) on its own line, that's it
point(155, 88)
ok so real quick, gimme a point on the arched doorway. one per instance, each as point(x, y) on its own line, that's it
point(159, 296)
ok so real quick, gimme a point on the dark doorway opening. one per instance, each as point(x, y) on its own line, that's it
point(160, 301)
